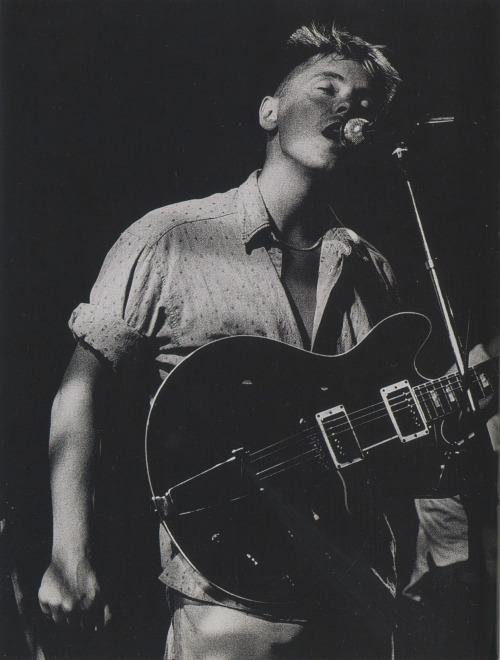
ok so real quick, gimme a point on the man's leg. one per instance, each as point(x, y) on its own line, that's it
point(204, 631)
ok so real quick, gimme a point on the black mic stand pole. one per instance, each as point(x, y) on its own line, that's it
point(444, 305)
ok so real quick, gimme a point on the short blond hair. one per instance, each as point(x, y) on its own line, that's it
point(317, 40)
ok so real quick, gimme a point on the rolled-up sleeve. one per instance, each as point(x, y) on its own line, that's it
point(124, 303)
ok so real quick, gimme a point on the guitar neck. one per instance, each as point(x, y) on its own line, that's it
point(445, 395)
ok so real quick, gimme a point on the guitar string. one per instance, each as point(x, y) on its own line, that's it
point(292, 461)
point(281, 449)
point(377, 407)
point(395, 407)
point(312, 450)
point(313, 439)
point(380, 407)
point(301, 436)
point(338, 427)
point(328, 426)
point(445, 410)
point(288, 467)
point(339, 432)
point(444, 388)
point(309, 433)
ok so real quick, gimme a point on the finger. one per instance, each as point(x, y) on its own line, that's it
point(58, 615)
point(69, 611)
point(45, 609)
point(52, 611)
point(89, 600)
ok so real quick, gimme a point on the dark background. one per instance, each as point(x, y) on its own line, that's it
point(113, 108)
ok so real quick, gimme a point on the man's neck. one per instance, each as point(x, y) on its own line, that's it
point(294, 202)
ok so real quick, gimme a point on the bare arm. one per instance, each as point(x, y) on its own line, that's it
point(69, 587)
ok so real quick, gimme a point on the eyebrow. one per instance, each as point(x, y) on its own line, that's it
point(329, 74)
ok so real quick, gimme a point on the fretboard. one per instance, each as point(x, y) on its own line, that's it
point(446, 395)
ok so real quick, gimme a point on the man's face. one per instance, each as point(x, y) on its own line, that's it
point(315, 104)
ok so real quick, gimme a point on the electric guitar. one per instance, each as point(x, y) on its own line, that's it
point(264, 458)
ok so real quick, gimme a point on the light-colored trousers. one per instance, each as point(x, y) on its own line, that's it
point(206, 631)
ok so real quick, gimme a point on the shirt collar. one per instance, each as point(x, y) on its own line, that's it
point(256, 219)
point(255, 216)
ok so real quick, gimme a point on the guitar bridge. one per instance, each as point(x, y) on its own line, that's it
point(341, 441)
point(404, 411)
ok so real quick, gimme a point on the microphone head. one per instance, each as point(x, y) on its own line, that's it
point(353, 133)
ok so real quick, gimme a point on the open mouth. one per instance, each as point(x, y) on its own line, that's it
point(333, 131)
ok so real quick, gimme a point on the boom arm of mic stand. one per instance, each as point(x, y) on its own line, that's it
point(399, 152)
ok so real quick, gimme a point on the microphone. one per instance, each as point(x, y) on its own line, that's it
point(357, 129)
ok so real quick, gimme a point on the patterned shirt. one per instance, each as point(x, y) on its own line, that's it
point(191, 273)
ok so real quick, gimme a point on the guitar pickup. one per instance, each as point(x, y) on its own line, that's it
point(341, 441)
point(404, 411)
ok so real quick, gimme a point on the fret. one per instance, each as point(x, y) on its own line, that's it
point(482, 381)
point(444, 395)
point(426, 401)
point(453, 390)
point(485, 383)
point(485, 379)
point(450, 393)
point(426, 409)
point(456, 385)
point(439, 396)
point(435, 400)
point(451, 396)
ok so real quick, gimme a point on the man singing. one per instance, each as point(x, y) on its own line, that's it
point(269, 258)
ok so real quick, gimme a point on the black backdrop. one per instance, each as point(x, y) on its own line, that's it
point(112, 108)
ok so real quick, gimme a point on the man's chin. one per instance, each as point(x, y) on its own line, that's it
point(327, 164)
point(328, 160)
point(319, 161)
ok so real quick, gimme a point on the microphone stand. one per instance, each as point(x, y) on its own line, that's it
point(444, 305)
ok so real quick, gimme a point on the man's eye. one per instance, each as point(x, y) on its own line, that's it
point(329, 89)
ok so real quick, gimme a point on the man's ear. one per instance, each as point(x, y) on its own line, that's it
point(268, 113)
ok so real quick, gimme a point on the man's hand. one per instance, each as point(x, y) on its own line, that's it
point(70, 592)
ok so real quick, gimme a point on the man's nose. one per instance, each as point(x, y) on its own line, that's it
point(343, 106)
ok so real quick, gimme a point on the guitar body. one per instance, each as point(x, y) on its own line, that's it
point(254, 498)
